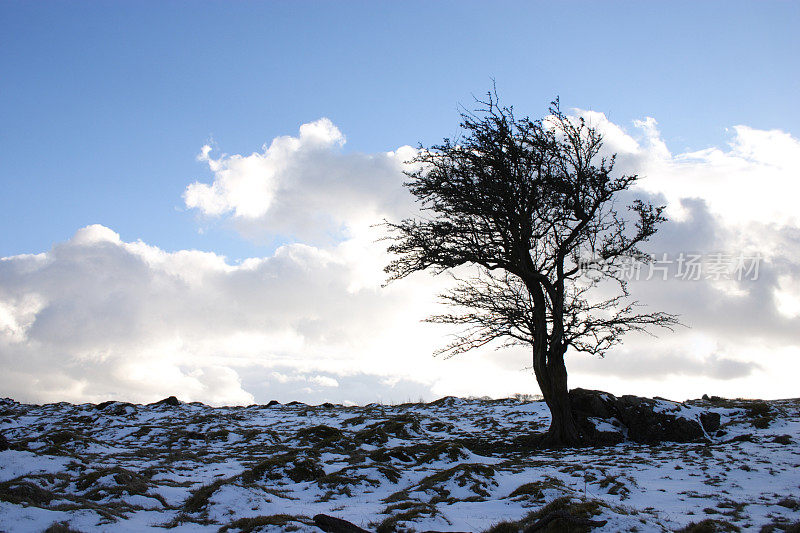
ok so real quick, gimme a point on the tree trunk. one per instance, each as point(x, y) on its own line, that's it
point(551, 374)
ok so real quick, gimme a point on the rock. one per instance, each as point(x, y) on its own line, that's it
point(779, 439)
point(336, 525)
point(592, 403)
point(595, 415)
point(602, 432)
point(710, 421)
point(606, 420)
point(116, 408)
point(172, 401)
point(273, 403)
point(446, 401)
point(747, 437)
point(4, 444)
point(652, 421)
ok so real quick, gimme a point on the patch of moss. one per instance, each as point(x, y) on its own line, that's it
point(191, 435)
point(451, 450)
point(62, 437)
point(408, 512)
point(439, 426)
point(292, 465)
point(198, 501)
point(218, 434)
point(401, 453)
point(790, 503)
point(614, 485)
point(250, 524)
point(504, 527)
point(24, 492)
point(781, 524)
point(342, 480)
point(477, 477)
point(584, 510)
point(305, 470)
point(320, 434)
point(389, 472)
point(126, 480)
point(761, 422)
point(782, 439)
point(400, 426)
point(60, 527)
point(710, 525)
point(759, 409)
point(535, 489)
point(354, 421)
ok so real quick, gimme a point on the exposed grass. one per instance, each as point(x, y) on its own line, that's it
point(60, 527)
point(477, 477)
point(421, 449)
point(198, 501)
point(24, 492)
point(320, 434)
point(578, 509)
point(535, 489)
point(404, 512)
point(710, 525)
point(250, 524)
point(293, 465)
point(403, 426)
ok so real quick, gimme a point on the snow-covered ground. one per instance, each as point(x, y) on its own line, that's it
point(450, 465)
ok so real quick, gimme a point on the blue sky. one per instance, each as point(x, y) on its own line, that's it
point(249, 270)
point(105, 105)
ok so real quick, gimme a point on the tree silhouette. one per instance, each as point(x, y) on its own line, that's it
point(531, 204)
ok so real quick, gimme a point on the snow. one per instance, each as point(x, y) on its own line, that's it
point(14, 464)
point(449, 466)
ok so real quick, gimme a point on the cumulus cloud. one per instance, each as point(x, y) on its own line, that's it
point(303, 186)
point(753, 180)
point(743, 335)
point(96, 317)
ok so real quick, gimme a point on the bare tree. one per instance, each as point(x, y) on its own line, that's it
point(531, 203)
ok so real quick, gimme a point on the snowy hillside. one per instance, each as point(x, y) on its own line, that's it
point(450, 465)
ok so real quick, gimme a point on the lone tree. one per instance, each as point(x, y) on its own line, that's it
point(531, 204)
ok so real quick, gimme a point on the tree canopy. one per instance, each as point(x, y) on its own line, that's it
point(532, 204)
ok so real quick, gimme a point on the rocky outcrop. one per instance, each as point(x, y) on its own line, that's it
point(172, 401)
point(710, 421)
point(596, 415)
point(605, 419)
point(331, 524)
point(116, 408)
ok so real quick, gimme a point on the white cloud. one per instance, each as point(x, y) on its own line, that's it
point(754, 180)
point(303, 186)
point(324, 381)
point(96, 317)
